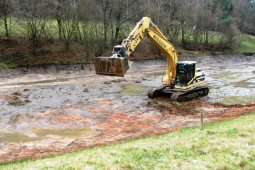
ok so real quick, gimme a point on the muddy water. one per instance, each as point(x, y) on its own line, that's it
point(71, 102)
point(15, 137)
point(232, 80)
point(73, 132)
point(38, 134)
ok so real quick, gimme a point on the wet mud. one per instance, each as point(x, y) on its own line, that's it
point(56, 109)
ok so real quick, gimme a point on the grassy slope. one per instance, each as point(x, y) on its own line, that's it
point(247, 44)
point(224, 145)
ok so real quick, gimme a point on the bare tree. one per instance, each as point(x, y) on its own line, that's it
point(159, 6)
point(67, 20)
point(7, 8)
point(120, 14)
point(106, 9)
point(191, 23)
point(58, 15)
point(35, 14)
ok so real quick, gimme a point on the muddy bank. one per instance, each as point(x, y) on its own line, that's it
point(116, 127)
point(53, 110)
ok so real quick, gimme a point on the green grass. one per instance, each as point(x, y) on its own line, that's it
point(224, 145)
point(4, 65)
point(19, 28)
point(247, 44)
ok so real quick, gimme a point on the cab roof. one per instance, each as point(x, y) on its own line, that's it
point(187, 62)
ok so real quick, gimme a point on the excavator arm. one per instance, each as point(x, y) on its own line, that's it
point(146, 28)
point(117, 64)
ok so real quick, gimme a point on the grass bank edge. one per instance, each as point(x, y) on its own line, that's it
point(183, 132)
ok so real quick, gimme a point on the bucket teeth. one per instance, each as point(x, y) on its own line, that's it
point(114, 66)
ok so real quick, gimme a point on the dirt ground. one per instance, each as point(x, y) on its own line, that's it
point(56, 109)
point(17, 52)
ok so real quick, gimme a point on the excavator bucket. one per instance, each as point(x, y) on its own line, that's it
point(113, 66)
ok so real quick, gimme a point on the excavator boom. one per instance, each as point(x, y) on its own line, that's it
point(117, 64)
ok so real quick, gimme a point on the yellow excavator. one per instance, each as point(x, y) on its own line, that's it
point(182, 81)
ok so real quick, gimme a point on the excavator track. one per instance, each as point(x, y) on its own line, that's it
point(190, 94)
point(178, 94)
point(157, 92)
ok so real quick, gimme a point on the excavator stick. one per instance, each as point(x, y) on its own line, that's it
point(112, 66)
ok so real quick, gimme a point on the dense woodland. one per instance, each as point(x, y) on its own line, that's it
point(98, 24)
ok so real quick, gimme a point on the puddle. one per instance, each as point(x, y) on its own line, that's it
point(16, 137)
point(241, 77)
point(44, 81)
point(71, 132)
point(58, 80)
point(232, 100)
point(222, 75)
point(245, 83)
point(134, 89)
point(154, 74)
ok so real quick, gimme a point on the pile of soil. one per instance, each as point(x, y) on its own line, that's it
point(16, 99)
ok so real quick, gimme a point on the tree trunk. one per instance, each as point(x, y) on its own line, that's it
point(78, 31)
point(59, 28)
point(117, 30)
point(105, 30)
point(183, 37)
point(112, 34)
point(105, 24)
point(6, 27)
point(206, 38)
point(195, 35)
point(158, 13)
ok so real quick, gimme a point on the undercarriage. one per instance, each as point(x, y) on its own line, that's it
point(177, 94)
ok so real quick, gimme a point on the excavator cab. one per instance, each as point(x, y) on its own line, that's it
point(116, 65)
point(185, 72)
point(120, 51)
